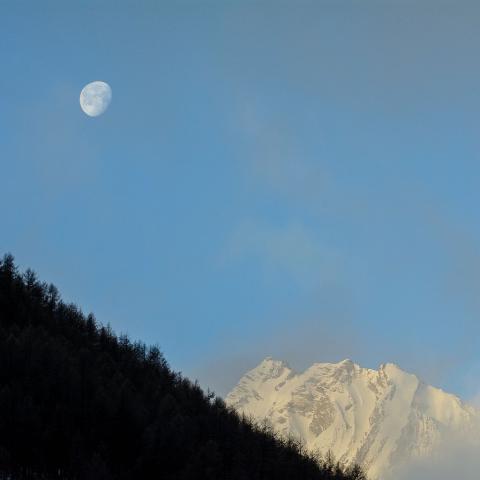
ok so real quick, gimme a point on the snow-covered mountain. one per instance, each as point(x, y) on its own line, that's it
point(378, 418)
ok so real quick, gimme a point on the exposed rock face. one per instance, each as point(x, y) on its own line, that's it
point(378, 418)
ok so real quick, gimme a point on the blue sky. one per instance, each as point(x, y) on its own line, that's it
point(296, 179)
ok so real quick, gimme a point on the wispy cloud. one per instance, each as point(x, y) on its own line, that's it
point(298, 336)
point(455, 458)
point(276, 161)
point(291, 249)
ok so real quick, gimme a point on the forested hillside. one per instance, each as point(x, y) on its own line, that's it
point(79, 402)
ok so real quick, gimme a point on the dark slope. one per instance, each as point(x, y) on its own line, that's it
point(78, 402)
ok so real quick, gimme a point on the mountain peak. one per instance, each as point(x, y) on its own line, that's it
point(270, 359)
point(394, 372)
point(348, 364)
point(270, 362)
point(268, 369)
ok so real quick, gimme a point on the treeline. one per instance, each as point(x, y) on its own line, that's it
point(78, 402)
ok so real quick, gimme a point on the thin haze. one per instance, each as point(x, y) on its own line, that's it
point(297, 179)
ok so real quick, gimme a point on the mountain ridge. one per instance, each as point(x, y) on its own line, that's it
point(379, 418)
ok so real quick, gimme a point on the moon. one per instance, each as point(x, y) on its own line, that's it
point(95, 98)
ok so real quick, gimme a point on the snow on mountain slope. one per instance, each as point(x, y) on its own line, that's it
point(378, 418)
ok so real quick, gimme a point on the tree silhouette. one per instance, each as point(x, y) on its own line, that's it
point(79, 403)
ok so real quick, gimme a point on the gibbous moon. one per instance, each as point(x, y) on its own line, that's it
point(95, 98)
